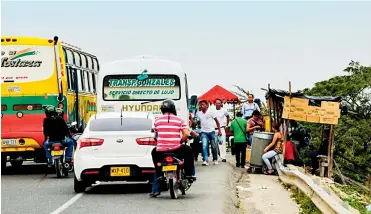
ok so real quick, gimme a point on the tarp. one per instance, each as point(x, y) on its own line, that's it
point(312, 99)
point(218, 92)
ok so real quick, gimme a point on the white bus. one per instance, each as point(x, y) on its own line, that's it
point(141, 84)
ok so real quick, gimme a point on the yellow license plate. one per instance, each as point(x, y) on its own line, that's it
point(120, 171)
point(169, 168)
point(54, 153)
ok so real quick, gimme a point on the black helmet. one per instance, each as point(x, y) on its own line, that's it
point(50, 111)
point(168, 106)
point(59, 112)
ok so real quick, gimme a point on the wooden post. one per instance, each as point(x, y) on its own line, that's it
point(234, 111)
point(330, 152)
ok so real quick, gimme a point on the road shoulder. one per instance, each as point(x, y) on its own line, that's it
point(259, 193)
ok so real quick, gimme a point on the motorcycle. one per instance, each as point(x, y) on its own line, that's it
point(174, 175)
point(58, 153)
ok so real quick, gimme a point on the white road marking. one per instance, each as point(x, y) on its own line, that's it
point(72, 201)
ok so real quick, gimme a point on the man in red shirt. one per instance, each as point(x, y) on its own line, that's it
point(171, 132)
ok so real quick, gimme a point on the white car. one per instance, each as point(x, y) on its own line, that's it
point(115, 146)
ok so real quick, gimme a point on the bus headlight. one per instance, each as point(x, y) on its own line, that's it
point(19, 114)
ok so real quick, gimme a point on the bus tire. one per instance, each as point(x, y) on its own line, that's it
point(3, 160)
point(16, 163)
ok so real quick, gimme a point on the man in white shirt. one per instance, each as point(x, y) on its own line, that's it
point(208, 119)
point(221, 114)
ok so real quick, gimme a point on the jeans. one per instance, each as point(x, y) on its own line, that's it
point(250, 140)
point(68, 142)
point(205, 138)
point(267, 156)
point(222, 149)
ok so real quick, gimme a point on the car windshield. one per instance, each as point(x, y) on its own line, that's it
point(114, 124)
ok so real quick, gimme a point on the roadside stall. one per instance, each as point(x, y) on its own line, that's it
point(286, 107)
point(218, 92)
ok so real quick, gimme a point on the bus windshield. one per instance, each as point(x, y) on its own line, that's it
point(151, 87)
point(26, 63)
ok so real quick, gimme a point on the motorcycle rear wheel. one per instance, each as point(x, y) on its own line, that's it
point(173, 190)
point(58, 168)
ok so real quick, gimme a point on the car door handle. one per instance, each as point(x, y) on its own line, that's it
point(119, 140)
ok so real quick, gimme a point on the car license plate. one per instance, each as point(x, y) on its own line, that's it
point(54, 153)
point(9, 142)
point(169, 168)
point(120, 171)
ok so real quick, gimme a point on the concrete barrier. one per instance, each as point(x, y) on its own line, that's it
point(321, 197)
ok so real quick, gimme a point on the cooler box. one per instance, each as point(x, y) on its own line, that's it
point(259, 142)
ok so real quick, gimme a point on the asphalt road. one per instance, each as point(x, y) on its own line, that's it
point(31, 190)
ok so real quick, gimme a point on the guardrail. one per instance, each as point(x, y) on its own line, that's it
point(323, 199)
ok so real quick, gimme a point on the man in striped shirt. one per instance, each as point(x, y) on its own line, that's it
point(171, 132)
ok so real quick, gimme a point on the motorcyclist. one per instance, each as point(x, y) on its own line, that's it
point(168, 128)
point(56, 130)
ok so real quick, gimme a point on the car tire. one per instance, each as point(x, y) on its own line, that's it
point(79, 186)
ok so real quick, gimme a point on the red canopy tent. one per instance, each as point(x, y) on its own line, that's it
point(218, 92)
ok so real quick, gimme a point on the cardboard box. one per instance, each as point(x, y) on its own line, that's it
point(299, 109)
point(330, 105)
point(298, 117)
point(299, 101)
point(314, 111)
point(330, 113)
point(285, 114)
point(329, 120)
point(313, 119)
point(286, 100)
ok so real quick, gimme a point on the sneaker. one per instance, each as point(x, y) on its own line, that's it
point(154, 194)
point(216, 162)
point(50, 164)
point(191, 178)
point(205, 163)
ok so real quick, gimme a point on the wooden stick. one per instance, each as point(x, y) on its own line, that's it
point(339, 172)
point(330, 152)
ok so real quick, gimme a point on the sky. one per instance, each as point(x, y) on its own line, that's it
point(249, 44)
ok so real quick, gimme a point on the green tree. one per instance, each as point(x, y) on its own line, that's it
point(353, 133)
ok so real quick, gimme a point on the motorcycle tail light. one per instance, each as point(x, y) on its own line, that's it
point(169, 159)
point(56, 148)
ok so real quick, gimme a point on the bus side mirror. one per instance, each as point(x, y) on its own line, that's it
point(194, 100)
